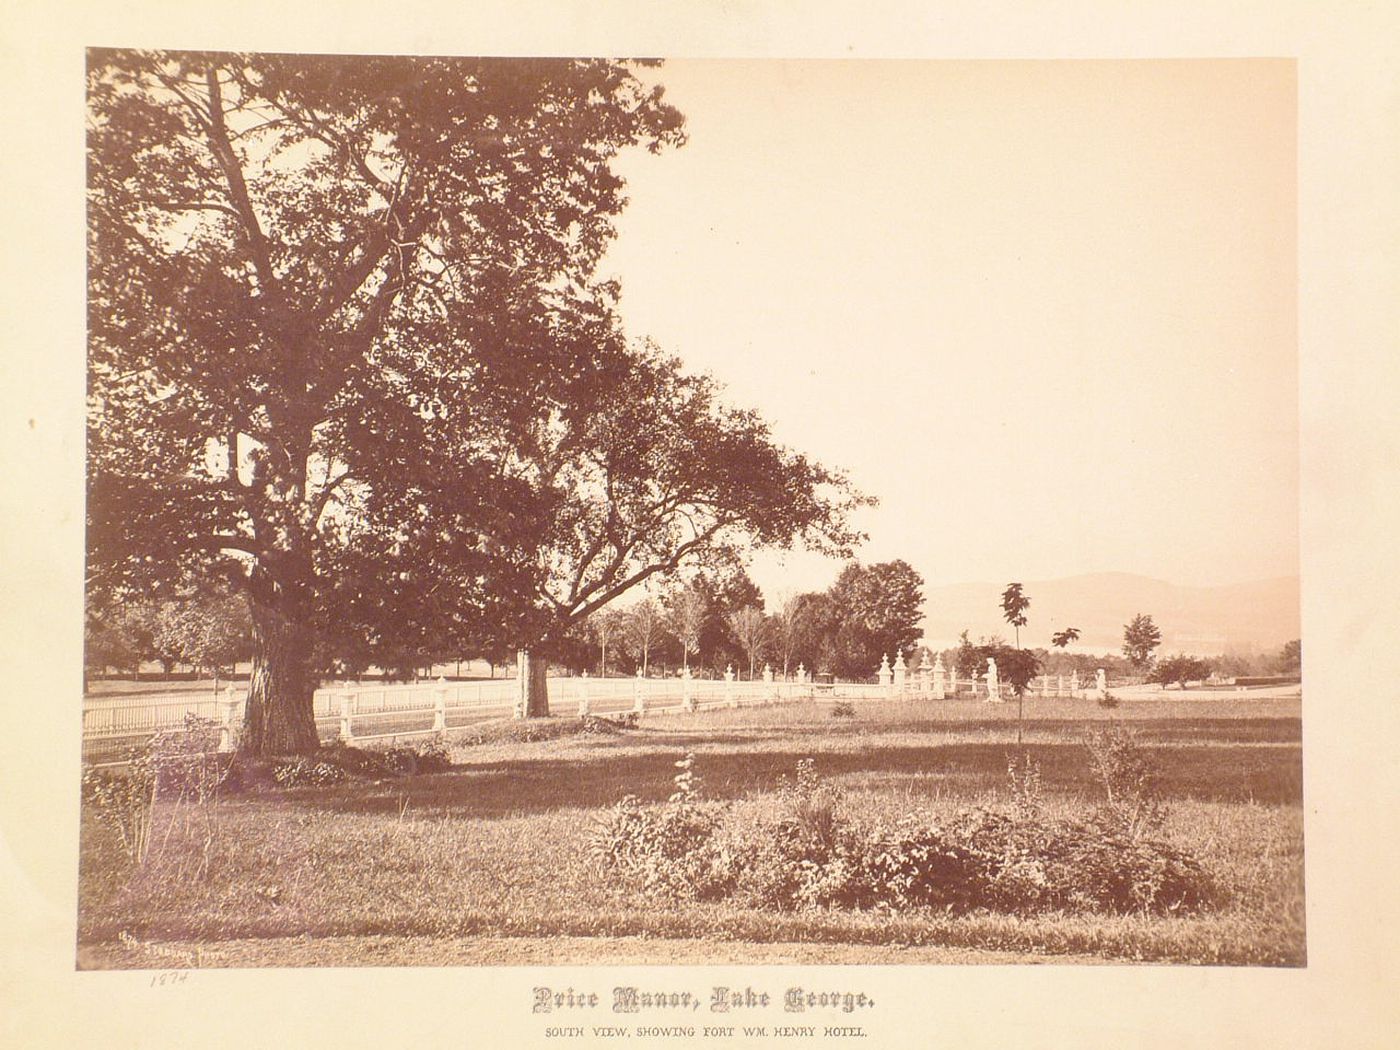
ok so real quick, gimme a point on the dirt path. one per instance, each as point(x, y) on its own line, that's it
point(529, 951)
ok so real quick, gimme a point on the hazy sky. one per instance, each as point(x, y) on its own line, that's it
point(1044, 311)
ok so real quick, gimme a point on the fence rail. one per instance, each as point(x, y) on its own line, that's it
point(352, 712)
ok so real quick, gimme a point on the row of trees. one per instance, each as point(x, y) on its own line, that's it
point(203, 632)
point(870, 611)
point(351, 358)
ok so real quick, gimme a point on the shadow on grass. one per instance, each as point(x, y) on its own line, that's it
point(1221, 773)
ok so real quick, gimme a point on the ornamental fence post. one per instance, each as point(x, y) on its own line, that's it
point(440, 706)
point(347, 701)
point(228, 706)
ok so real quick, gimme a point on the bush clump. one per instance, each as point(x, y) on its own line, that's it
point(338, 762)
point(664, 850)
point(811, 853)
point(307, 771)
point(122, 801)
point(424, 756)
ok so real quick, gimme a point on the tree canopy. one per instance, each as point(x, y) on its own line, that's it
point(1180, 669)
point(647, 475)
point(329, 297)
point(869, 612)
point(1140, 639)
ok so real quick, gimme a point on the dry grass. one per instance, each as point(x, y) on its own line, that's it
point(497, 847)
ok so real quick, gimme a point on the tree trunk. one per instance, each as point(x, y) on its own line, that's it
point(534, 681)
point(279, 719)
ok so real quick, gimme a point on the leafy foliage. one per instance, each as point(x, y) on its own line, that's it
point(1180, 669)
point(661, 849)
point(205, 631)
point(813, 854)
point(329, 298)
point(307, 771)
point(123, 801)
point(869, 612)
point(656, 477)
point(1014, 604)
point(1129, 778)
point(1017, 668)
point(1140, 639)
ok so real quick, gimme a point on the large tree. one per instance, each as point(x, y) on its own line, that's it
point(880, 608)
point(649, 475)
point(329, 297)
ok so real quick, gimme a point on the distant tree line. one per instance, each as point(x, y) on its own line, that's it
point(710, 622)
point(204, 632)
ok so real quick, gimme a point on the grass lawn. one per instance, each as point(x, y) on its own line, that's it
point(489, 862)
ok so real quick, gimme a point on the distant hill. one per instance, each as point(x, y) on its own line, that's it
point(1250, 617)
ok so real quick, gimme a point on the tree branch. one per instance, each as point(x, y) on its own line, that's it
point(216, 541)
point(238, 188)
point(677, 556)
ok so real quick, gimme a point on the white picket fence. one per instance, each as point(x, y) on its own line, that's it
point(354, 712)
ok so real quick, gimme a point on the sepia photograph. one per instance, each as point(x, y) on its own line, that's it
point(729, 524)
point(579, 510)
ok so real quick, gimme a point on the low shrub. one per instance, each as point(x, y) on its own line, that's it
point(1127, 772)
point(187, 762)
point(1105, 864)
point(411, 759)
point(432, 756)
point(182, 766)
point(338, 762)
point(535, 730)
point(811, 853)
point(662, 849)
point(598, 726)
point(307, 771)
point(843, 709)
point(123, 799)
